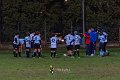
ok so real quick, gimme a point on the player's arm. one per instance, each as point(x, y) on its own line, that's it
point(65, 39)
point(16, 40)
point(81, 41)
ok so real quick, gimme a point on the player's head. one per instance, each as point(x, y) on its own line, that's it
point(75, 32)
point(17, 34)
point(37, 33)
point(33, 32)
point(27, 33)
point(53, 35)
point(69, 32)
point(92, 29)
point(89, 30)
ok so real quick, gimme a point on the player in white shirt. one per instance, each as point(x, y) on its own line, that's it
point(37, 45)
point(27, 41)
point(16, 45)
point(77, 43)
point(69, 41)
point(53, 45)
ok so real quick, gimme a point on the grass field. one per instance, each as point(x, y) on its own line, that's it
point(85, 68)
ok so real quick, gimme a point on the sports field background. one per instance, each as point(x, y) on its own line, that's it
point(66, 68)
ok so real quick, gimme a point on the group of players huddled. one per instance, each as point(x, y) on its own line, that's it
point(73, 43)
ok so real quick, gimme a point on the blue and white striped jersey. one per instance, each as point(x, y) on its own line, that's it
point(69, 39)
point(101, 38)
point(16, 40)
point(37, 39)
point(53, 41)
point(77, 40)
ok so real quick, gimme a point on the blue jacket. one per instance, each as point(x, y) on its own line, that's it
point(93, 36)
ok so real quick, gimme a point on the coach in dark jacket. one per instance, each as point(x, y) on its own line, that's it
point(93, 39)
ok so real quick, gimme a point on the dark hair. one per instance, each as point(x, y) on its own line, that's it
point(27, 33)
point(53, 34)
point(37, 32)
point(17, 33)
point(69, 32)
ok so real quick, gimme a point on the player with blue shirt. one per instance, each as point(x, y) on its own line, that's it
point(27, 44)
point(77, 43)
point(53, 45)
point(37, 45)
point(69, 41)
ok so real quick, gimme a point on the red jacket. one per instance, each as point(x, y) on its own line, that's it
point(87, 38)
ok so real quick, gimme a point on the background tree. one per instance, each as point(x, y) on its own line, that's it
point(56, 16)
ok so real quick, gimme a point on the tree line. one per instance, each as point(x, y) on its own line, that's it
point(55, 16)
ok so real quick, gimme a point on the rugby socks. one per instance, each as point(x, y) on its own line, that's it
point(19, 54)
point(14, 53)
point(34, 54)
point(54, 54)
point(27, 54)
point(78, 53)
point(39, 54)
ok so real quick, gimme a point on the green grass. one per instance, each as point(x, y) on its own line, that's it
point(85, 68)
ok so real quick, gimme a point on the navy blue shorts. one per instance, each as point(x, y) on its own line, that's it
point(15, 46)
point(53, 49)
point(36, 46)
point(77, 47)
point(27, 47)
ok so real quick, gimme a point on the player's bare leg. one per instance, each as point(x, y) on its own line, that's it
point(70, 53)
point(54, 53)
point(16, 52)
point(19, 51)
